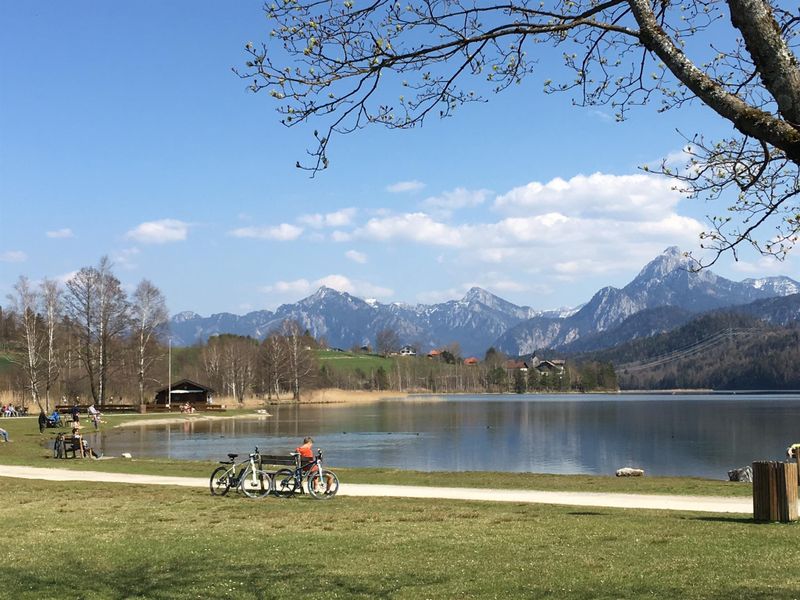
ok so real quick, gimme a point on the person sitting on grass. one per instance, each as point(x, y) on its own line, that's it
point(55, 418)
point(306, 451)
point(4, 435)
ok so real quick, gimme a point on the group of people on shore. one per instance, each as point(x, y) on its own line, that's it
point(8, 410)
point(55, 420)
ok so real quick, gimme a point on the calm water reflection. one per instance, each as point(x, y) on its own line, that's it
point(593, 434)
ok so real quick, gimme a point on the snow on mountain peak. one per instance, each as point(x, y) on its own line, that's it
point(668, 261)
point(779, 286)
point(186, 315)
point(477, 294)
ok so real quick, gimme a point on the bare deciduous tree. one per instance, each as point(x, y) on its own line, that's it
point(97, 304)
point(396, 63)
point(274, 362)
point(231, 364)
point(52, 305)
point(113, 319)
point(300, 361)
point(387, 341)
point(25, 303)
point(149, 315)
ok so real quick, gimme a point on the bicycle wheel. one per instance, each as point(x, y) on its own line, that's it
point(284, 483)
point(323, 486)
point(220, 482)
point(255, 484)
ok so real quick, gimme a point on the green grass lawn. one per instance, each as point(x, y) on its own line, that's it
point(349, 361)
point(85, 540)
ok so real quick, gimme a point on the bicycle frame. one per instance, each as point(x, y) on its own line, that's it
point(304, 471)
point(231, 477)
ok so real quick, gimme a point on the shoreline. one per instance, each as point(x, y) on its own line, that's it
point(338, 396)
point(177, 420)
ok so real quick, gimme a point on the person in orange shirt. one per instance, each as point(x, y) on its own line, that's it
point(306, 451)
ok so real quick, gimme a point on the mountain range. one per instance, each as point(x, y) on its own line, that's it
point(664, 295)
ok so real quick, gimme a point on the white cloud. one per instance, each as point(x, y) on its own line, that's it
point(603, 116)
point(405, 186)
point(291, 290)
point(456, 199)
point(763, 266)
point(13, 256)
point(356, 256)
point(437, 296)
point(621, 197)
point(125, 258)
point(282, 233)
point(65, 277)
point(494, 283)
point(159, 232)
point(415, 227)
point(341, 236)
point(60, 233)
point(560, 230)
point(298, 286)
point(340, 218)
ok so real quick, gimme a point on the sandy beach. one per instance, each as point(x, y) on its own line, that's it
point(177, 419)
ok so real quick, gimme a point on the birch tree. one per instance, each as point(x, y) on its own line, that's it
point(149, 316)
point(274, 363)
point(230, 362)
point(300, 361)
point(396, 63)
point(25, 303)
point(52, 310)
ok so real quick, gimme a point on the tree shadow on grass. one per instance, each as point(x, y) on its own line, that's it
point(741, 520)
point(586, 513)
point(260, 578)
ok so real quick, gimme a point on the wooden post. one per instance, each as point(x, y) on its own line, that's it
point(775, 491)
point(794, 453)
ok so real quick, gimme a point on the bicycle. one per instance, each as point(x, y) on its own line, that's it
point(251, 479)
point(322, 483)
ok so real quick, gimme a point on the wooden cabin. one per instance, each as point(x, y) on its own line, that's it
point(184, 391)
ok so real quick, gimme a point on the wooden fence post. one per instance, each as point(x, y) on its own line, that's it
point(775, 491)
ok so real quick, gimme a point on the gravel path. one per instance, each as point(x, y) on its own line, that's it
point(715, 504)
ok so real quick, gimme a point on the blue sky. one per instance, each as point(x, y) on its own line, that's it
point(124, 132)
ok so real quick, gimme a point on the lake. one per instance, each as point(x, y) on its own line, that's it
point(687, 435)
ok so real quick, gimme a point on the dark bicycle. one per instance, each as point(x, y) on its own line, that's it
point(250, 478)
point(321, 483)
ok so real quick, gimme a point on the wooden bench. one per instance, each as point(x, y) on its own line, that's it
point(66, 445)
point(285, 460)
point(281, 460)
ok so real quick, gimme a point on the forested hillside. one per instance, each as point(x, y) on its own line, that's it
point(721, 350)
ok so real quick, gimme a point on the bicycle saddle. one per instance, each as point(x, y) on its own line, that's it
point(232, 456)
